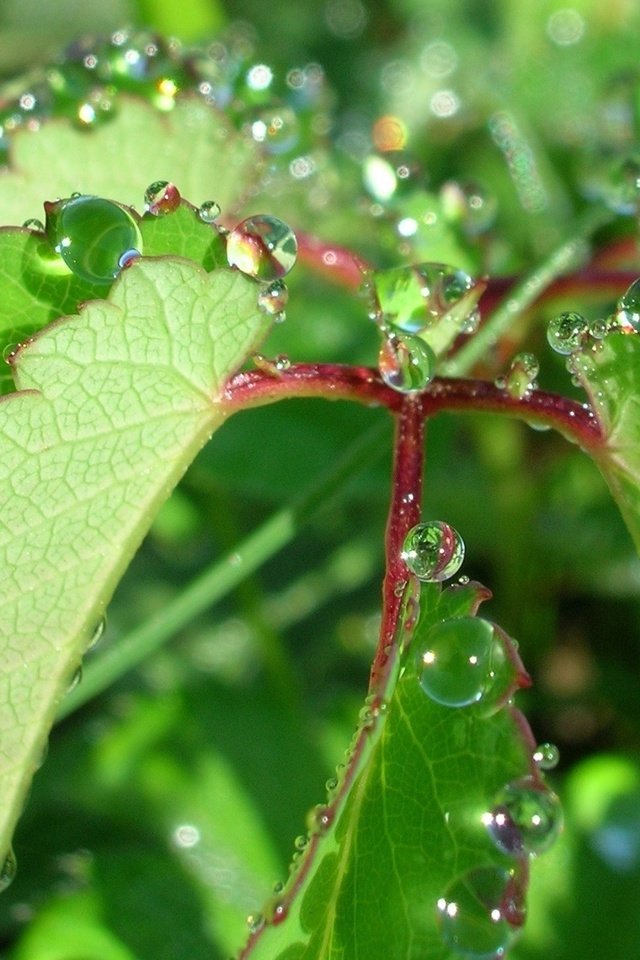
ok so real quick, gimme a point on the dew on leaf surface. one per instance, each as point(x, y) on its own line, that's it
point(433, 550)
point(468, 661)
point(209, 211)
point(91, 235)
point(470, 204)
point(97, 633)
point(161, 197)
point(521, 376)
point(480, 912)
point(566, 333)
point(406, 363)
point(416, 297)
point(263, 247)
point(526, 818)
point(8, 870)
point(273, 299)
point(546, 756)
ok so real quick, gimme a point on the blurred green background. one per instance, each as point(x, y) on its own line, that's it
point(168, 805)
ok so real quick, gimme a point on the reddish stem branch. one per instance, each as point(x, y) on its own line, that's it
point(404, 513)
point(363, 385)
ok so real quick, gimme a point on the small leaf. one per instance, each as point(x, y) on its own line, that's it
point(411, 824)
point(611, 376)
point(113, 405)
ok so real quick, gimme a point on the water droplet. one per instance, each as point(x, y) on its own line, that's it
point(469, 661)
point(35, 226)
point(455, 662)
point(301, 842)
point(527, 818)
point(414, 298)
point(262, 247)
point(566, 332)
point(546, 756)
point(320, 818)
point(273, 299)
point(209, 211)
point(600, 327)
point(255, 922)
point(90, 235)
point(8, 870)
point(161, 198)
point(627, 317)
point(97, 634)
point(406, 363)
point(433, 550)
point(480, 912)
point(521, 377)
point(75, 679)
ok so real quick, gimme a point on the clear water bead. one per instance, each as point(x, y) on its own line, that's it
point(527, 818)
point(566, 332)
point(480, 912)
point(273, 299)
point(521, 376)
point(161, 197)
point(406, 363)
point(454, 666)
point(467, 661)
point(209, 211)
point(433, 551)
point(414, 298)
point(263, 247)
point(627, 317)
point(91, 235)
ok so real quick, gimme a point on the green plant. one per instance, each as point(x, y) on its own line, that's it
point(422, 846)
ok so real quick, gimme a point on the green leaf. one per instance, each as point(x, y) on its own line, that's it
point(194, 146)
point(34, 295)
point(611, 376)
point(411, 822)
point(113, 405)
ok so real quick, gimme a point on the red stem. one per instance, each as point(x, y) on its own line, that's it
point(336, 263)
point(404, 513)
point(363, 385)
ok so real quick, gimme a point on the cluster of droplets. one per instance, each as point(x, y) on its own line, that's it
point(419, 310)
point(95, 239)
point(578, 339)
point(468, 663)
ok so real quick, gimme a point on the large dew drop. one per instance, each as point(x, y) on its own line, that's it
point(468, 662)
point(433, 551)
point(415, 298)
point(567, 332)
point(263, 247)
point(480, 913)
point(526, 818)
point(91, 235)
point(406, 363)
